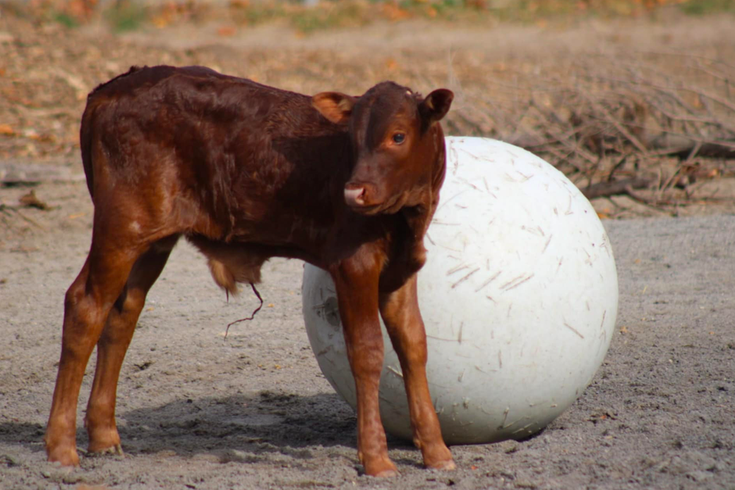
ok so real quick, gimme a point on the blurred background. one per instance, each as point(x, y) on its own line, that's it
point(632, 99)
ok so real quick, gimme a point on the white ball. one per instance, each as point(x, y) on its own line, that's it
point(519, 296)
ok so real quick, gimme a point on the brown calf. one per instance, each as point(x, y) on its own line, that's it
point(247, 172)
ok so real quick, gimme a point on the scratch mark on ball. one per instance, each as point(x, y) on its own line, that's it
point(445, 201)
point(547, 243)
point(603, 339)
point(457, 269)
point(472, 155)
point(524, 177)
point(561, 260)
point(488, 281)
point(516, 282)
point(395, 371)
point(505, 419)
point(324, 351)
point(467, 182)
point(534, 231)
point(486, 371)
point(524, 428)
point(465, 278)
point(442, 223)
point(574, 330)
point(455, 159)
point(441, 339)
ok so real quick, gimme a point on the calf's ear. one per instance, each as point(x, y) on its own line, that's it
point(436, 105)
point(334, 106)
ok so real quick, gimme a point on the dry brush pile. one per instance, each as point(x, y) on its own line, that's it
point(652, 125)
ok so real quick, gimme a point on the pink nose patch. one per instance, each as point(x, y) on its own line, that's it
point(355, 197)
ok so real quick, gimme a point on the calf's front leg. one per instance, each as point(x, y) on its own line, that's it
point(357, 294)
point(402, 318)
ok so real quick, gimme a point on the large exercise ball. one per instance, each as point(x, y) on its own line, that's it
point(519, 296)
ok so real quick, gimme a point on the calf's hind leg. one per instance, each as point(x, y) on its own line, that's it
point(113, 344)
point(86, 308)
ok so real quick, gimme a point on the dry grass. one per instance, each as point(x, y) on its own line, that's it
point(665, 119)
point(654, 121)
point(123, 15)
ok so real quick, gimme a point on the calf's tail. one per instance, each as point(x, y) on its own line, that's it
point(85, 142)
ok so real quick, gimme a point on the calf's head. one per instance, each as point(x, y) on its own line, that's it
point(396, 142)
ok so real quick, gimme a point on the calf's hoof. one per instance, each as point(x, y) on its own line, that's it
point(438, 457)
point(447, 465)
point(387, 474)
point(66, 456)
point(380, 468)
point(115, 450)
point(103, 439)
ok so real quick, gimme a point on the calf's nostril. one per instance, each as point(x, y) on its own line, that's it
point(355, 197)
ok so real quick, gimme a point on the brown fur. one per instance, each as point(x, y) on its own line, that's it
point(247, 172)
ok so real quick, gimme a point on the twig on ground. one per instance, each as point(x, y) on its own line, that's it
point(606, 189)
point(252, 315)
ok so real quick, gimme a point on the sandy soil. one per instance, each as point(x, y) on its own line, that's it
point(198, 410)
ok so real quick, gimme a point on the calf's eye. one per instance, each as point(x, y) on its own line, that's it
point(399, 138)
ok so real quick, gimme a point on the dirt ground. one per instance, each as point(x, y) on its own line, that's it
point(198, 410)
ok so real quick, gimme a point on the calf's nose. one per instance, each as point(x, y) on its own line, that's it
point(355, 196)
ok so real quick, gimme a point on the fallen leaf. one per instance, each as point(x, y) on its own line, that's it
point(6, 130)
point(226, 31)
point(30, 200)
point(160, 21)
